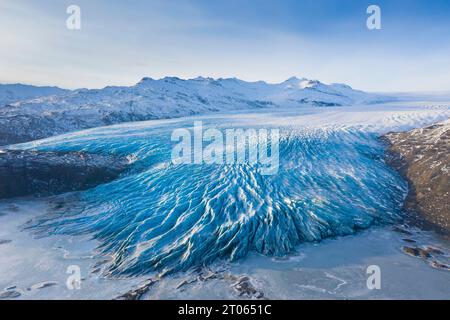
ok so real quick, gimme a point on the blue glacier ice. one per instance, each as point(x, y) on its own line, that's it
point(160, 217)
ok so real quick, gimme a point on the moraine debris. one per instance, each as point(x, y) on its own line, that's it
point(422, 156)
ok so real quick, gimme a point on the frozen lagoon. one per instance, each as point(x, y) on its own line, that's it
point(331, 269)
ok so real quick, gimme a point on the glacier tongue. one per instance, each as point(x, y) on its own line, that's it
point(168, 218)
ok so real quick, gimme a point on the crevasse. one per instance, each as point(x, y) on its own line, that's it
point(167, 218)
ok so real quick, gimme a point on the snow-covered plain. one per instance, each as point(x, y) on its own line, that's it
point(332, 268)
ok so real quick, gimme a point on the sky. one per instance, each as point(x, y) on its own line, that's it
point(122, 41)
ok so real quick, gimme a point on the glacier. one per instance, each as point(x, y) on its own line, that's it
point(161, 217)
point(149, 222)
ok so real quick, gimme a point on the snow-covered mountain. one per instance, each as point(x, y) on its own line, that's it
point(164, 98)
point(10, 93)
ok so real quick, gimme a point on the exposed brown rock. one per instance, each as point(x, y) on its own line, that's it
point(138, 293)
point(10, 294)
point(422, 156)
point(428, 254)
point(417, 252)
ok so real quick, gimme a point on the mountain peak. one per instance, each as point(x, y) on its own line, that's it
point(293, 79)
point(304, 84)
point(145, 79)
point(300, 83)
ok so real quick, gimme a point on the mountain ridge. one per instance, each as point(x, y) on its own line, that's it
point(168, 97)
point(15, 92)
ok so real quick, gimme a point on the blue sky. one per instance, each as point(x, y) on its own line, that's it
point(121, 42)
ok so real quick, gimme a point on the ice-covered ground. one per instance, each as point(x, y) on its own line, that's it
point(337, 138)
point(37, 268)
point(332, 269)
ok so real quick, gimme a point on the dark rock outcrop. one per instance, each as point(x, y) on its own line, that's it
point(45, 173)
point(422, 156)
point(138, 293)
